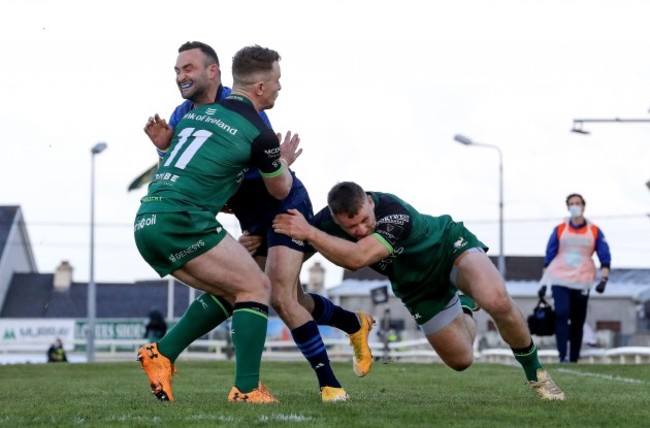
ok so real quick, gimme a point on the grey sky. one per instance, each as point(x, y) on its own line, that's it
point(376, 89)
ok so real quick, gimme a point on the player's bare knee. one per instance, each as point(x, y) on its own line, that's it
point(259, 291)
point(285, 307)
point(266, 284)
point(500, 304)
point(461, 363)
point(278, 303)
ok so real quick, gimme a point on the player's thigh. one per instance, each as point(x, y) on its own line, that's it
point(453, 343)
point(479, 278)
point(283, 266)
point(443, 324)
point(229, 267)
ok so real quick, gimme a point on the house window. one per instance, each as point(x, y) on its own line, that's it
point(614, 326)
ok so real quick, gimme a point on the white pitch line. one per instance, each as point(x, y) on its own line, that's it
point(601, 376)
point(279, 417)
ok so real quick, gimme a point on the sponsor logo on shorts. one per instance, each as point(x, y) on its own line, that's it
point(144, 222)
point(460, 243)
point(186, 252)
point(298, 242)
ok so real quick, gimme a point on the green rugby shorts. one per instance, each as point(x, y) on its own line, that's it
point(168, 240)
point(436, 292)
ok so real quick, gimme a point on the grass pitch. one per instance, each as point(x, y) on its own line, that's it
point(392, 395)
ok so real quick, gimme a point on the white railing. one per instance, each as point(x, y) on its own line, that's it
point(417, 350)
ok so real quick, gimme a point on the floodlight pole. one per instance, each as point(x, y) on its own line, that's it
point(501, 263)
point(92, 292)
point(577, 123)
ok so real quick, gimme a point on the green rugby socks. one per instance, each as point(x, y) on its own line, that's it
point(249, 323)
point(529, 360)
point(204, 314)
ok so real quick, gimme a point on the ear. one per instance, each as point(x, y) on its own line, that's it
point(214, 71)
point(258, 88)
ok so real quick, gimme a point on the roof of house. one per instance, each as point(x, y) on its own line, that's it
point(12, 226)
point(34, 296)
point(7, 216)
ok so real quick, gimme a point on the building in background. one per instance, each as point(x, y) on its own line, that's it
point(619, 317)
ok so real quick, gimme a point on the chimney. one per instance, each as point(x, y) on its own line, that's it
point(63, 276)
point(316, 282)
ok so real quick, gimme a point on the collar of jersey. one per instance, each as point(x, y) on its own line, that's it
point(240, 98)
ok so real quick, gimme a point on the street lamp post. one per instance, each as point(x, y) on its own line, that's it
point(468, 142)
point(578, 123)
point(92, 292)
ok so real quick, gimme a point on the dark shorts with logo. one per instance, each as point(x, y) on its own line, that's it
point(168, 240)
point(255, 210)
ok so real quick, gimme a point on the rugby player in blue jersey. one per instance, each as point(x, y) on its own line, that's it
point(176, 230)
point(199, 80)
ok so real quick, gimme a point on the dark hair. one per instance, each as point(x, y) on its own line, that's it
point(573, 195)
point(250, 60)
point(210, 54)
point(346, 198)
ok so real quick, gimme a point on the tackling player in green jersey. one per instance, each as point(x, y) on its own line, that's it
point(428, 261)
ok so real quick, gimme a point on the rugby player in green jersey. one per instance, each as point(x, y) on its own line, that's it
point(199, 80)
point(176, 230)
point(428, 261)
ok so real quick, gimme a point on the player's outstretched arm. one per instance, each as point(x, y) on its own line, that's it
point(341, 252)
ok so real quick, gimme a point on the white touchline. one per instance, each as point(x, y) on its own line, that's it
point(602, 376)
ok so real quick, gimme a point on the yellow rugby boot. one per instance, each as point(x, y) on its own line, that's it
point(361, 353)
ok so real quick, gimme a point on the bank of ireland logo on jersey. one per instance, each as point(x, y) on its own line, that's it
point(208, 118)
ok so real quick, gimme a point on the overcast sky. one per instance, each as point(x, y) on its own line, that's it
point(376, 89)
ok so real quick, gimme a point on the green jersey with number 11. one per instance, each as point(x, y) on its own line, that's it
point(212, 148)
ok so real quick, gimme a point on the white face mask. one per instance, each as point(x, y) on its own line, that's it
point(575, 210)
